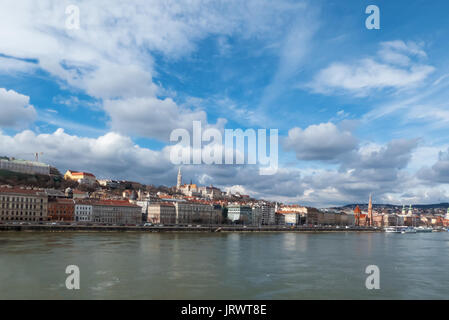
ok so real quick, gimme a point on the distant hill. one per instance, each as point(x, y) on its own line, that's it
point(377, 205)
point(54, 180)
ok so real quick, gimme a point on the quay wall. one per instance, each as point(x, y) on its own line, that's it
point(100, 228)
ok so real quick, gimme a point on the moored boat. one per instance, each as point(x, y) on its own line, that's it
point(424, 229)
point(408, 230)
point(392, 230)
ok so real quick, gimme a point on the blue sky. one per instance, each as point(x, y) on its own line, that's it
point(358, 111)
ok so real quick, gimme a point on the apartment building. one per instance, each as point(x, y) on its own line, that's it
point(60, 209)
point(197, 212)
point(23, 204)
point(116, 212)
point(83, 211)
point(240, 214)
point(161, 212)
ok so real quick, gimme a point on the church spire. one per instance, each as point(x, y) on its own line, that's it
point(179, 181)
point(370, 210)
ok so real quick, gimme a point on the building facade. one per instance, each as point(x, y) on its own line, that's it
point(83, 211)
point(116, 212)
point(24, 166)
point(197, 212)
point(60, 209)
point(80, 177)
point(161, 212)
point(267, 215)
point(240, 214)
point(23, 204)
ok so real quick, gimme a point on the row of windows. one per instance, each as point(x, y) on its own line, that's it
point(21, 213)
point(83, 219)
point(20, 199)
point(83, 207)
point(60, 212)
point(16, 213)
point(19, 219)
point(19, 206)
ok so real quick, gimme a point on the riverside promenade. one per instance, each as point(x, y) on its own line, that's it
point(192, 228)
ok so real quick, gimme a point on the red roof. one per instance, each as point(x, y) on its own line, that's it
point(121, 203)
point(80, 173)
point(61, 201)
point(118, 203)
point(21, 191)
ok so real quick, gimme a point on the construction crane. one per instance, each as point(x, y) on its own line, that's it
point(36, 155)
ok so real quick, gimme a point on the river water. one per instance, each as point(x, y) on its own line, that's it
point(224, 265)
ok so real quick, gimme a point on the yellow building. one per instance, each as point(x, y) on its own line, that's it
point(80, 177)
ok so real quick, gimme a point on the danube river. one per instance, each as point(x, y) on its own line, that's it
point(224, 265)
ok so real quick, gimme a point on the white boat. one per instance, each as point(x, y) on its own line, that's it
point(424, 229)
point(408, 230)
point(392, 230)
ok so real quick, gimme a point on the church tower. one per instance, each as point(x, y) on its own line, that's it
point(410, 211)
point(370, 211)
point(179, 181)
point(357, 213)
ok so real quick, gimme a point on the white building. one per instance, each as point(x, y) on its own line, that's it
point(109, 183)
point(83, 212)
point(240, 213)
point(24, 166)
point(210, 192)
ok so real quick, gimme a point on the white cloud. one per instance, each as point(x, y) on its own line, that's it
point(152, 117)
point(320, 142)
point(15, 109)
point(397, 71)
point(439, 171)
point(9, 65)
point(111, 56)
point(110, 155)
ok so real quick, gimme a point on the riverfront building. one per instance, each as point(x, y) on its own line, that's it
point(197, 212)
point(268, 214)
point(292, 215)
point(83, 211)
point(60, 209)
point(24, 166)
point(23, 204)
point(161, 212)
point(116, 212)
point(240, 214)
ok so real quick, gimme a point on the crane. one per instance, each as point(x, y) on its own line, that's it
point(36, 155)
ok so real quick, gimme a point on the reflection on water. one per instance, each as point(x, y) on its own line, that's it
point(224, 266)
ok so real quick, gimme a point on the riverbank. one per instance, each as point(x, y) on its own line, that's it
point(224, 228)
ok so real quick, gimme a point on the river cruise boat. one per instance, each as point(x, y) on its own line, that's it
point(408, 230)
point(422, 229)
point(392, 230)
